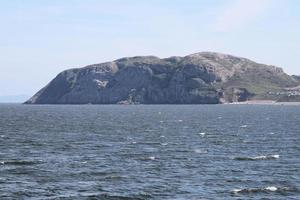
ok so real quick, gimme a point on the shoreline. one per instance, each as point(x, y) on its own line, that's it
point(251, 102)
point(263, 102)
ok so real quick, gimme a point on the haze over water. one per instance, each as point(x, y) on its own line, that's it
point(149, 152)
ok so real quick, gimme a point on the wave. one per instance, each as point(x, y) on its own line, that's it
point(119, 197)
point(265, 189)
point(270, 157)
point(151, 158)
point(106, 196)
point(20, 162)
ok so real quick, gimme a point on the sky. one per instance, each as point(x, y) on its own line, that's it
point(40, 38)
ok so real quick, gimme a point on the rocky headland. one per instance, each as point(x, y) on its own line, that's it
point(200, 78)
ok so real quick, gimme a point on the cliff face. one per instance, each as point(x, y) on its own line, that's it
point(200, 78)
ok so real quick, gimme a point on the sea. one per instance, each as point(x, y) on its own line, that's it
point(168, 152)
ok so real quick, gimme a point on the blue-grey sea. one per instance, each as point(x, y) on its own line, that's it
point(164, 152)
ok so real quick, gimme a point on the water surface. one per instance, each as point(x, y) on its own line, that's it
point(149, 152)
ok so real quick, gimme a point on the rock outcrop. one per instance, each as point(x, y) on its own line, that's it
point(201, 78)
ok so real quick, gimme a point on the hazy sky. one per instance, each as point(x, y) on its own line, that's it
point(40, 38)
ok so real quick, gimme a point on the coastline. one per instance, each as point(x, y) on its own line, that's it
point(264, 102)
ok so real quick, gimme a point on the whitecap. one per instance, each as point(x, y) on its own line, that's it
point(200, 151)
point(271, 188)
point(266, 157)
point(258, 157)
point(236, 190)
point(202, 134)
point(270, 157)
point(180, 120)
point(275, 156)
point(152, 157)
point(246, 190)
point(164, 144)
point(255, 190)
point(244, 126)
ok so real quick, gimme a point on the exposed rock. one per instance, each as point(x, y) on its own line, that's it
point(296, 77)
point(201, 78)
